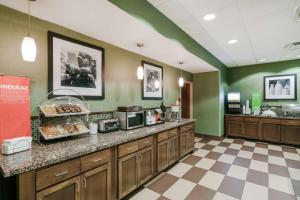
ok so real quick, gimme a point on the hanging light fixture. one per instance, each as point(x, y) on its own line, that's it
point(28, 45)
point(140, 69)
point(180, 80)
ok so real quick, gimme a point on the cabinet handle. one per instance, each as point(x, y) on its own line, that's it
point(130, 148)
point(61, 173)
point(97, 160)
point(146, 142)
point(84, 182)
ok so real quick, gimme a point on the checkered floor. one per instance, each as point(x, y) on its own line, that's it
point(229, 170)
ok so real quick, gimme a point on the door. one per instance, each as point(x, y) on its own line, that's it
point(186, 100)
point(128, 174)
point(183, 143)
point(67, 190)
point(290, 134)
point(145, 164)
point(162, 155)
point(96, 184)
point(173, 149)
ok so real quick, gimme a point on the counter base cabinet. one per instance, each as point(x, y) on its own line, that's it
point(162, 155)
point(270, 132)
point(173, 150)
point(235, 128)
point(183, 140)
point(145, 165)
point(290, 134)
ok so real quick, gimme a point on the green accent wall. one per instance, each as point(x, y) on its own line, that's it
point(206, 103)
point(249, 79)
point(121, 85)
point(152, 17)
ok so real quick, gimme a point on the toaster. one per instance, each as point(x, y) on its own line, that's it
point(108, 125)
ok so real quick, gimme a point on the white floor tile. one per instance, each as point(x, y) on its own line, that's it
point(254, 192)
point(261, 150)
point(276, 160)
point(274, 147)
point(245, 154)
point(259, 166)
point(281, 183)
point(211, 180)
point(214, 142)
point(291, 156)
point(219, 149)
point(201, 152)
point(250, 144)
point(146, 194)
point(238, 172)
point(228, 140)
point(179, 190)
point(196, 139)
point(205, 163)
point(294, 173)
point(226, 158)
point(298, 150)
point(235, 146)
point(199, 145)
point(180, 169)
point(221, 196)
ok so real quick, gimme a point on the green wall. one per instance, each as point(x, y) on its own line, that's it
point(249, 79)
point(121, 84)
point(206, 103)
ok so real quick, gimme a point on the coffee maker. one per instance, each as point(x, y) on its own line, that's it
point(175, 113)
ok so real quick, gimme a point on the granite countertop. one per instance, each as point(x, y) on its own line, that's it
point(42, 155)
point(260, 116)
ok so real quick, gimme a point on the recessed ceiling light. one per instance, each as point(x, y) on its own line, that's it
point(232, 41)
point(262, 60)
point(209, 17)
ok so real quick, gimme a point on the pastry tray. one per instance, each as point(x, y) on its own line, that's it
point(84, 111)
point(46, 137)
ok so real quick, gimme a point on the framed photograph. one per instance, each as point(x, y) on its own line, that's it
point(152, 85)
point(74, 68)
point(280, 87)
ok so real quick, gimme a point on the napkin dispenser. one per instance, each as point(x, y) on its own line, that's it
point(14, 145)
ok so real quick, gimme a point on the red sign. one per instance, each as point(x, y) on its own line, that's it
point(14, 107)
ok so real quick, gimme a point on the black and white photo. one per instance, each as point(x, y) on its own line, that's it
point(75, 66)
point(152, 87)
point(280, 87)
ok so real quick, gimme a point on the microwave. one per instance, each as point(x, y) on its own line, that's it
point(130, 120)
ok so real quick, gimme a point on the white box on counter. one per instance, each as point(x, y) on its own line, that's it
point(14, 145)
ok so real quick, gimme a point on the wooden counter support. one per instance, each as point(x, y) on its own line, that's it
point(26, 186)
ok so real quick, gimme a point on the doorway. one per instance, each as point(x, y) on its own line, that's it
point(187, 100)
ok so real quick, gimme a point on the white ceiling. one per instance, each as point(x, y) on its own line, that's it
point(262, 27)
point(104, 21)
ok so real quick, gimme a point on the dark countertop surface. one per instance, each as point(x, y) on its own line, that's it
point(260, 116)
point(42, 155)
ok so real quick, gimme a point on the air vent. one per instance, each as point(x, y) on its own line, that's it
point(297, 14)
point(292, 46)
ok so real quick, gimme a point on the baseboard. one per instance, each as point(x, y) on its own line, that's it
point(211, 137)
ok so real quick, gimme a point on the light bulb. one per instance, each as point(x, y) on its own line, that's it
point(28, 49)
point(156, 84)
point(140, 73)
point(180, 82)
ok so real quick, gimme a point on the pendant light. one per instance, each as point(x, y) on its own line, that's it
point(28, 45)
point(180, 80)
point(140, 69)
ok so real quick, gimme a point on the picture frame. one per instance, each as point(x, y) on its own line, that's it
point(280, 87)
point(75, 67)
point(152, 84)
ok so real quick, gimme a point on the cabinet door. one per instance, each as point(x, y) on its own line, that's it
point(290, 134)
point(191, 137)
point(127, 174)
point(67, 190)
point(270, 132)
point(162, 155)
point(183, 144)
point(173, 150)
point(251, 130)
point(235, 128)
point(145, 164)
point(96, 184)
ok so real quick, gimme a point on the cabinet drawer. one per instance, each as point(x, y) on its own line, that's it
point(270, 121)
point(251, 119)
point(128, 148)
point(162, 136)
point(95, 159)
point(186, 128)
point(145, 142)
point(290, 122)
point(173, 132)
point(57, 173)
point(235, 118)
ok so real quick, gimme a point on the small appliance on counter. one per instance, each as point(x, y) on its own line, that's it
point(153, 119)
point(291, 110)
point(108, 125)
point(175, 113)
point(14, 145)
point(130, 117)
point(234, 103)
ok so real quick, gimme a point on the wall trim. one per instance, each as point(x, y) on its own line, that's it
point(207, 136)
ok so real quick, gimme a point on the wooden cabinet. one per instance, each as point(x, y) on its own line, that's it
point(162, 155)
point(145, 165)
point(67, 190)
point(183, 143)
point(270, 130)
point(252, 128)
point(96, 184)
point(235, 128)
point(290, 134)
point(173, 153)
